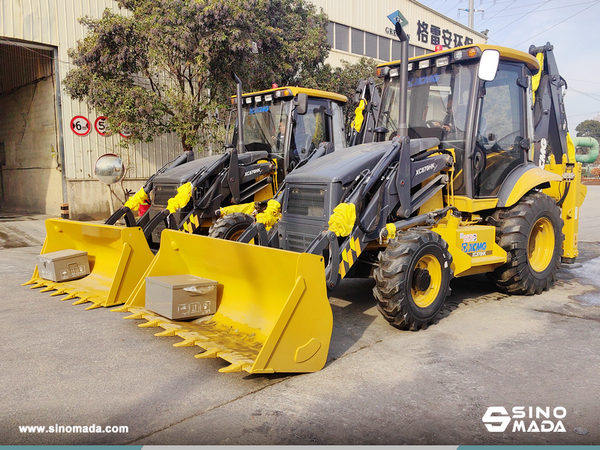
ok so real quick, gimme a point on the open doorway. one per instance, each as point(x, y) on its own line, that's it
point(30, 177)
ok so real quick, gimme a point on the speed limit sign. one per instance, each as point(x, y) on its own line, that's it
point(80, 125)
point(125, 132)
point(101, 126)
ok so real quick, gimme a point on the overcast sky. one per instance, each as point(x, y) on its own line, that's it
point(573, 27)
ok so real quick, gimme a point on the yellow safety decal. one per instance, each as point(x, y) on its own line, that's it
point(184, 193)
point(191, 224)
point(342, 220)
point(535, 81)
point(246, 208)
point(349, 257)
point(136, 200)
point(342, 269)
point(358, 115)
point(269, 216)
point(357, 248)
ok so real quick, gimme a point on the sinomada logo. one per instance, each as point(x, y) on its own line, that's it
point(525, 419)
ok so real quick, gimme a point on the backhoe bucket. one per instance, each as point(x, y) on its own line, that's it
point(273, 314)
point(118, 258)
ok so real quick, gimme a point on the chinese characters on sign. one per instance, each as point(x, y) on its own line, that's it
point(434, 35)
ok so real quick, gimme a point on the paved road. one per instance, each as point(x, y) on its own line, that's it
point(63, 365)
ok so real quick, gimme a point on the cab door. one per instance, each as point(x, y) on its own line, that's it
point(501, 141)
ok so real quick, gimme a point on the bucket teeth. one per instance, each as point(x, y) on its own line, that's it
point(96, 304)
point(38, 285)
point(170, 329)
point(150, 324)
point(49, 288)
point(235, 367)
point(208, 354)
point(122, 308)
point(32, 281)
point(58, 292)
point(81, 301)
point(135, 316)
point(71, 296)
point(185, 343)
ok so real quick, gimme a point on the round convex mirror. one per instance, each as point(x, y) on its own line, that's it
point(109, 168)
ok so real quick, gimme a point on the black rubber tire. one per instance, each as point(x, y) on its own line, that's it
point(231, 226)
point(395, 277)
point(513, 232)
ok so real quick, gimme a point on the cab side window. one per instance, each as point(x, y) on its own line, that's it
point(500, 130)
point(309, 131)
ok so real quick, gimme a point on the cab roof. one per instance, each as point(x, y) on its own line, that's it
point(506, 54)
point(295, 90)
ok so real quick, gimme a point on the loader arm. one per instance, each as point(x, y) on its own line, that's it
point(368, 100)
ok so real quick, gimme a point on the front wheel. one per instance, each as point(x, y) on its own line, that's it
point(231, 226)
point(412, 279)
point(531, 234)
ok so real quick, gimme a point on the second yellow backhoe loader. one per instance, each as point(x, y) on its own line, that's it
point(283, 128)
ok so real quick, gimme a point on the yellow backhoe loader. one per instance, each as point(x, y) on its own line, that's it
point(471, 174)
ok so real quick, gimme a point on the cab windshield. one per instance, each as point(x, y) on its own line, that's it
point(437, 106)
point(264, 126)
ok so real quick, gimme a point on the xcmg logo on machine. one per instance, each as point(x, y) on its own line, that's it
point(525, 419)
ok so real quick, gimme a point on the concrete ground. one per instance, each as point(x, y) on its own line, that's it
point(61, 365)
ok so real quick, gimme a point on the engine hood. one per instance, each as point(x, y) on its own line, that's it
point(182, 174)
point(340, 166)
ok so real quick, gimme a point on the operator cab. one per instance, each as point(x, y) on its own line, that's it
point(274, 123)
point(487, 123)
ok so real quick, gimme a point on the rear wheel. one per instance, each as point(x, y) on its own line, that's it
point(531, 233)
point(412, 279)
point(231, 226)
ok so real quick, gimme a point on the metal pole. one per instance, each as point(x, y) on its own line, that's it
point(471, 13)
point(61, 144)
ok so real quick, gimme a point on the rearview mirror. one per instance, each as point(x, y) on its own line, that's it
point(488, 65)
point(301, 103)
point(109, 168)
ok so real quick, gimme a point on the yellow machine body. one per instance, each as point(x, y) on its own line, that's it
point(473, 247)
point(276, 320)
point(118, 258)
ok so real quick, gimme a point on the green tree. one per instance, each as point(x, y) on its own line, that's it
point(343, 80)
point(166, 65)
point(589, 128)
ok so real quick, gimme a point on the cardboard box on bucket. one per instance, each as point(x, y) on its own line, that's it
point(181, 297)
point(63, 265)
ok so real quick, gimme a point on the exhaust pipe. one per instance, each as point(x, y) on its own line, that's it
point(402, 123)
point(240, 143)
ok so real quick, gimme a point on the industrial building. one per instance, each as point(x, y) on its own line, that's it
point(49, 142)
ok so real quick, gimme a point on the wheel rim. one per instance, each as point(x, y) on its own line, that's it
point(541, 245)
point(235, 235)
point(425, 297)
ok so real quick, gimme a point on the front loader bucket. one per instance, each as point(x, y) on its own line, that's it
point(273, 314)
point(118, 258)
